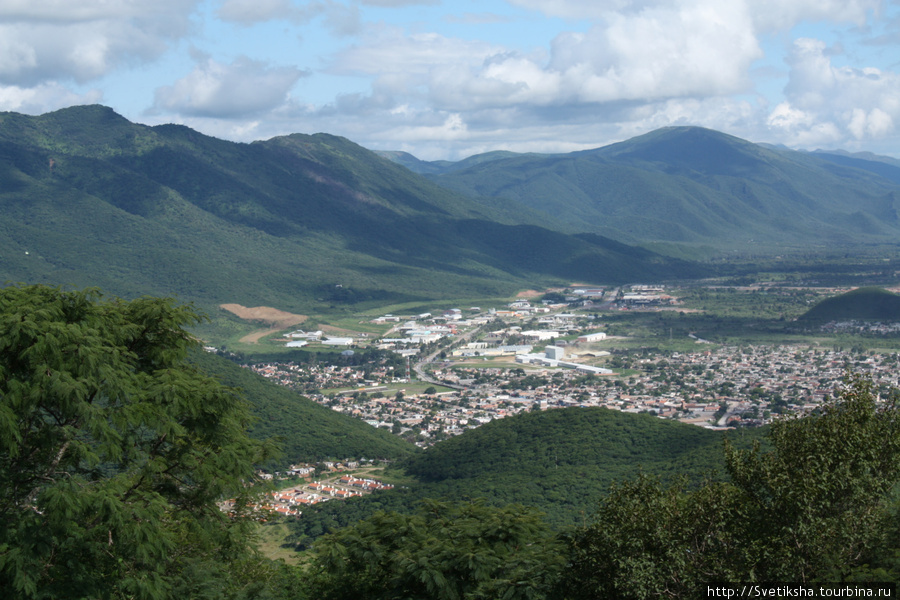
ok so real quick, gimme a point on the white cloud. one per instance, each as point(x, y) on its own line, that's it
point(766, 14)
point(66, 11)
point(398, 3)
point(254, 11)
point(244, 87)
point(703, 49)
point(43, 98)
point(825, 103)
point(387, 49)
point(483, 18)
point(341, 19)
point(83, 41)
point(771, 15)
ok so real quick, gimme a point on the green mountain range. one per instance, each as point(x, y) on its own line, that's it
point(691, 185)
point(315, 222)
point(89, 198)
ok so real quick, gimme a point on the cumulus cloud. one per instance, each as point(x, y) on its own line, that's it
point(702, 49)
point(43, 97)
point(825, 103)
point(627, 67)
point(83, 41)
point(765, 14)
point(244, 87)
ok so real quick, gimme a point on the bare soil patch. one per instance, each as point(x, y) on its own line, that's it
point(274, 318)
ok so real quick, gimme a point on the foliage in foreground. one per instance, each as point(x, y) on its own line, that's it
point(445, 552)
point(814, 509)
point(114, 452)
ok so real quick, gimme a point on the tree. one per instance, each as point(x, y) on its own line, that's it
point(114, 451)
point(650, 541)
point(817, 502)
point(813, 508)
point(445, 552)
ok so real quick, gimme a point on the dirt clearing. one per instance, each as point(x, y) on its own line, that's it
point(275, 319)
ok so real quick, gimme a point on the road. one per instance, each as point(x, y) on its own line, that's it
point(419, 366)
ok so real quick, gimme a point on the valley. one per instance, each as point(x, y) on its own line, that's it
point(720, 358)
point(712, 356)
point(682, 289)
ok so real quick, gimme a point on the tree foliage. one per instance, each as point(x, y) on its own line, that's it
point(817, 502)
point(114, 451)
point(815, 508)
point(445, 552)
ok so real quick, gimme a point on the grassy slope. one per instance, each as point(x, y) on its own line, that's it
point(307, 431)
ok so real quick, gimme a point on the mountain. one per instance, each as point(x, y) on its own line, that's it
point(884, 166)
point(862, 304)
point(694, 186)
point(89, 198)
point(425, 167)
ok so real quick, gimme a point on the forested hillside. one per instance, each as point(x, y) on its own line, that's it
point(690, 185)
point(306, 431)
point(89, 198)
point(559, 461)
point(862, 304)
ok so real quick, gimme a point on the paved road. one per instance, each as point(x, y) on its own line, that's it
point(419, 367)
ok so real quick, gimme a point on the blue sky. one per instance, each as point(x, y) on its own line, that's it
point(448, 79)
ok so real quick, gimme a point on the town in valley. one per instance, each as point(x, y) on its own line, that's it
point(434, 375)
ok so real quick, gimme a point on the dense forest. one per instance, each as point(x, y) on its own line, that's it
point(559, 461)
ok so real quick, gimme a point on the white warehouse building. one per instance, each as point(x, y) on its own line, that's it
point(592, 337)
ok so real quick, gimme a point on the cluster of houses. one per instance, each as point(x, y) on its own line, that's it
point(290, 502)
point(729, 386)
point(722, 387)
point(309, 378)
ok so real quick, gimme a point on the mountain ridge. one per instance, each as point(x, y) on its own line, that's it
point(693, 185)
point(92, 199)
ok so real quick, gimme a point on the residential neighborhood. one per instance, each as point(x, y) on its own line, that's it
point(488, 365)
point(291, 500)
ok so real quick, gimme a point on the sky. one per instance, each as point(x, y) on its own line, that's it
point(448, 79)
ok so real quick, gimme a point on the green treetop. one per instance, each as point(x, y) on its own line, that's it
point(113, 450)
point(817, 507)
